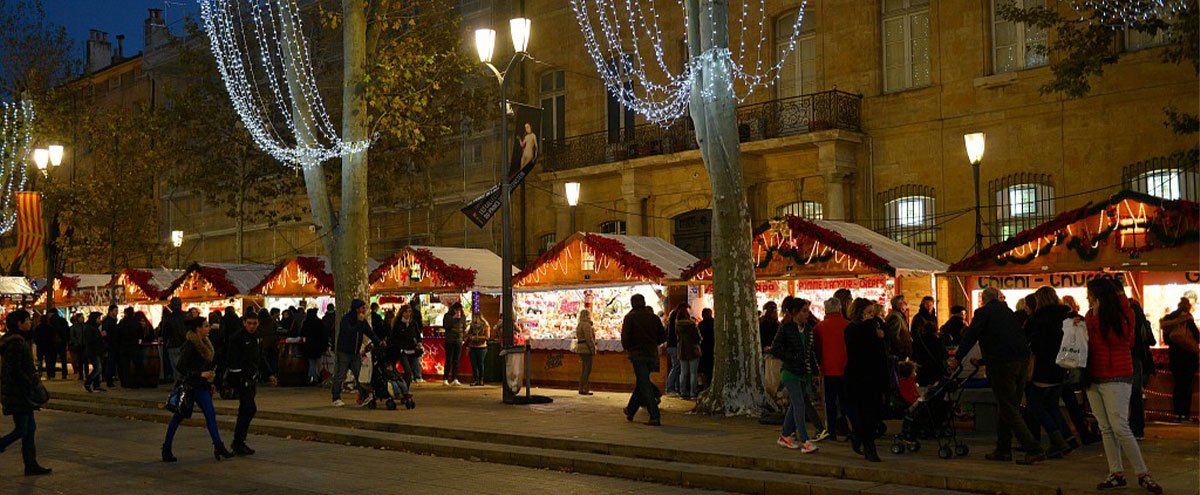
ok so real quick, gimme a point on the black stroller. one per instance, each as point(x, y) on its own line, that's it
point(387, 384)
point(932, 416)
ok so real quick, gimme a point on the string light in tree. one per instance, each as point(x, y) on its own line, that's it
point(625, 41)
point(259, 46)
point(1119, 13)
point(15, 140)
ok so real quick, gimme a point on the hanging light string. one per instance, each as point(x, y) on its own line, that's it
point(616, 33)
point(1120, 13)
point(16, 136)
point(257, 43)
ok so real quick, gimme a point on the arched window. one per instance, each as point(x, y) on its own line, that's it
point(811, 210)
point(1172, 176)
point(615, 227)
point(909, 213)
point(798, 75)
point(693, 232)
point(1021, 201)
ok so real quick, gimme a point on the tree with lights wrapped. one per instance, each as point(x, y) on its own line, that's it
point(708, 88)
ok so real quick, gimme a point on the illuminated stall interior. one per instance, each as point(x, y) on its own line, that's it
point(812, 259)
point(143, 288)
point(213, 286)
point(79, 292)
point(440, 277)
point(302, 281)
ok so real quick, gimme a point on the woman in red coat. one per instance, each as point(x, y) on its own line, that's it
point(1110, 326)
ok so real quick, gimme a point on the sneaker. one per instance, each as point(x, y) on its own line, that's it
point(338, 403)
point(445, 382)
point(1114, 480)
point(808, 448)
point(1145, 481)
point(823, 434)
point(455, 382)
point(787, 443)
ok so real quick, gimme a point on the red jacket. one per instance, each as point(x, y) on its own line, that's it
point(830, 338)
point(1108, 353)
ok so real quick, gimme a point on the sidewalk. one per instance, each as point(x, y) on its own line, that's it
point(596, 425)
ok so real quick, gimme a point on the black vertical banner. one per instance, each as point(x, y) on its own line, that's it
point(526, 149)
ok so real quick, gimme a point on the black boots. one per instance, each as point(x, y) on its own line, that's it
point(36, 470)
point(240, 448)
point(167, 456)
point(220, 452)
point(870, 452)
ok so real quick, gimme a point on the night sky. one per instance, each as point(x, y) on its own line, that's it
point(114, 17)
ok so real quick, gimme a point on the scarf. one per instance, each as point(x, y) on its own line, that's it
point(202, 345)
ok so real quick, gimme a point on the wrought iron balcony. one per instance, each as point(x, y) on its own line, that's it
point(770, 119)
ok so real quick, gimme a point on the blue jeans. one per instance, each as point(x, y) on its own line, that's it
point(204, 400)
point(450, 365)
point(1043, 402)
point(25, 427)
point(168, 364)
point(835, 400)
point(412, 366)
point(314, 369)
point(477, 354)
point(343, 362)
point(645, 394)
point(793, 420)
point(673, 373)
point(93, 376)
point(689, 377)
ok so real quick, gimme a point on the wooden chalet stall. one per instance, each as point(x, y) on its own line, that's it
point(15, 292)
point(1149, 244)
point(599, 272)
point(439, 277)
point(812, 259)
point(214, 286)
point(143, 289)
point(79, 292)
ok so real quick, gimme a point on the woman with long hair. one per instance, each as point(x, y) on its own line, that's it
point(768, 324)
point(689, 352)
point(799, 359)
point(1044, 329)
point(1180, 332)
point(585, 347)
point(477, 337)
point(314, 346)
point(455, 326)
point(1110, 327)
point(196, 372)
point(867, 369)
point(673, 382)
point(406, 336)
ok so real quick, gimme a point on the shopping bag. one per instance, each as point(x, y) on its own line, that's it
point(773, 375)
point(1073, 352)
point(364, 369)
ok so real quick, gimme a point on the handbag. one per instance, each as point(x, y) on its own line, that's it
point(38, 395)
point(181, 401)
point(1073, 352)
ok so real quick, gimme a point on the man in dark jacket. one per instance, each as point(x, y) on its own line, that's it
point(18, 375)
point(44, 338)
point(245, 360)
point(108, 329)
point(268, 331)
point(349, 340)
point(62, 336)
point(173, 333)
point(641, 335)
point(1005, 350)
point(128, 331)
point(953, 329)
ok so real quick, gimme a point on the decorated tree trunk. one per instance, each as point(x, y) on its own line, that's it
point(350, 263)
point(737, 382)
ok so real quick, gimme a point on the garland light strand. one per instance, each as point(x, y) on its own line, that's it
point(15, 139)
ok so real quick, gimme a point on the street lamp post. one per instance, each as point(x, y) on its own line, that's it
point(177, 241)
point(485, 43)
point(572, 189)
point(45, 159)
point(975, 145)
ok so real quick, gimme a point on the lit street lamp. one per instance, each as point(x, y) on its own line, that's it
point(975, 144)
point(177, 241)
point(572, 199)
point(485, 44)
point(45, 159)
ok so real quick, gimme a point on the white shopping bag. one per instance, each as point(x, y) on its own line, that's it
point(1073, 352)
point(364, 370)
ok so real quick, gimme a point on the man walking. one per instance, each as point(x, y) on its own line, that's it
point(830, 340)
point(641, 335)
point(245, 359)
point(349, 340)
point(1005, 350)
point(173, 334)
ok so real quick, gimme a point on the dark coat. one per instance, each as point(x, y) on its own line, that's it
point(689, 339)
point(351, 334)
point(1045, 330)
point(767, 328)
point(866, 360)
point(641, 333)
point(108, 328)
point(455, 329)
point(405, 337)
point(129, 332)
point(930, 355)
point(795, 348)
point(952, 331)
point(18, 374)
point(192, 363)
point(171, 327)
point(315, 341)
point(62, 330)
point(707, 344)
point(1000, 337)
point(93, 342)
point(244, 352)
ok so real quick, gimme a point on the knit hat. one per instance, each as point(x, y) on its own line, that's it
point(356, 304)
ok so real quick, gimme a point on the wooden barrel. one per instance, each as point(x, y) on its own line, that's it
point(293, 367)
point(151, 364)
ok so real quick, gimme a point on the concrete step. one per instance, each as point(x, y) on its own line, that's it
point(682, 473)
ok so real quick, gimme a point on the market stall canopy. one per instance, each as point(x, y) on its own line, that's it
point(140, 285)
point(1129, 231)
point(15, 286)
point(596, 260)
point(438, 269)
point(216, 281)
point(794, 247)
point(78, 289)
point(302, 276)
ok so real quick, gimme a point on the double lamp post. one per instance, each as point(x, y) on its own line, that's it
point(45, 159)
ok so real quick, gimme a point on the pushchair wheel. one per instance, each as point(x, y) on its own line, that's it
point(391, 405)
point(944, 452)
point(409, 404)
point(914, 446)
point(897, 449)
point(961, 450)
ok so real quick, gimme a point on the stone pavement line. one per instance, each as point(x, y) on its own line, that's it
point(594, 425)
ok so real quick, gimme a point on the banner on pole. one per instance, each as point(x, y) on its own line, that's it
point(526, 149)
point(30, 228)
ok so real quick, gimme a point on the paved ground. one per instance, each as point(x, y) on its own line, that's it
point(93, 454)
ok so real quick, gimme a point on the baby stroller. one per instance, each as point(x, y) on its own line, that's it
point(932, 416)
point(387, 384)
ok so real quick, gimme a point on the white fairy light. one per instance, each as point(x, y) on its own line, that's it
point(15, 140)
point(1119, 13)
point(614, 32)
point(256, 43)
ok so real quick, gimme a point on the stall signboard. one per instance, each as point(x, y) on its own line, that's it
point(1055, 280)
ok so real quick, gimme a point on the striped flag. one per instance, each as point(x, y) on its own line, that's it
point(30, 228)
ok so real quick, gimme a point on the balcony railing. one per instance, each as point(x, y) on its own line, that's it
point(771, 119)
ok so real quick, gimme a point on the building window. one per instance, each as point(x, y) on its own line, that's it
point(693, 232)
point(1171, 177)
point(620, 118)
point(552, 92)
point(1015, 45)
point(909, 217)
point(1162, 183)
point(811, 210)
point(614, 227)
point(1022, 201)
point(472, 153)
point(905, 44)
point(798, 74)
point(545, 242)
